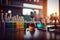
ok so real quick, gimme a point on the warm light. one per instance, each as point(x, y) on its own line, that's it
point(9, 11)
point(53, 21)
point(57, 21)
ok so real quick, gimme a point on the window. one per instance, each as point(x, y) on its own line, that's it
point(27, 11)
point(32, 6)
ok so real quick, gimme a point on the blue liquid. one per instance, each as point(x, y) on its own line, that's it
point(39, 25)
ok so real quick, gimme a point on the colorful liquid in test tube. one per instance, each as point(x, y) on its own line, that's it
point(40, 25)
point(8, 25)
point(3, 25)
point(32, 27)
point(13, 25)
point(19, 25)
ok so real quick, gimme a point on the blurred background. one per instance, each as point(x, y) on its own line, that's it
point(30, 19)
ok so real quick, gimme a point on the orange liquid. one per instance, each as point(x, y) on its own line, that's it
point(19, 25)
point(30, 28)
